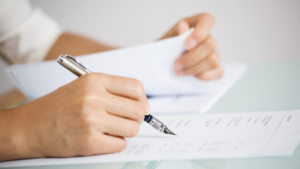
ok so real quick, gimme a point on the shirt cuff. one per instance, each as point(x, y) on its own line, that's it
point(31, 40)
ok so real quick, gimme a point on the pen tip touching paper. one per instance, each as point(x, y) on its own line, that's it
point(167, 131)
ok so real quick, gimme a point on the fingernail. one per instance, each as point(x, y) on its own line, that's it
point(178, 67)
point(191, 44)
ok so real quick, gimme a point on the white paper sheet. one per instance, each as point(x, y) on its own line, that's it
point(233, 135)
point(151, 63)
point(202, 102)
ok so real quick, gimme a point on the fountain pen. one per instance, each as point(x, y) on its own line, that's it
point(78, 69)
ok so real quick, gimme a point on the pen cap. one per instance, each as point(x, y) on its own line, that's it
point(72, 65)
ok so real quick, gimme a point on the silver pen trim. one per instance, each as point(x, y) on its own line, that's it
point(158, 125)
point(72, 65)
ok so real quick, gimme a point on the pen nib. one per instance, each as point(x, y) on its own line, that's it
point(167, 131)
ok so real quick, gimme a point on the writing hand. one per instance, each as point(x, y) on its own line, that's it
point(90, 115)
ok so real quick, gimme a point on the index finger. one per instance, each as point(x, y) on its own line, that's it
point(202, 24)
point(125, 87)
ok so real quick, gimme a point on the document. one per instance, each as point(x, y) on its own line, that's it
point(225, 135)
point(151, 63)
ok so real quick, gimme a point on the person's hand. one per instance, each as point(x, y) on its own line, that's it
point(201, 60)
point(90, 115)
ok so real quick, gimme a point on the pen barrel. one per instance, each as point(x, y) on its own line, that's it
point(158, 125)
point(71, 66)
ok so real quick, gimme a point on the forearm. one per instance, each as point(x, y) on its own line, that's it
point(75, 45)
point(14, 144)
point(67, 43)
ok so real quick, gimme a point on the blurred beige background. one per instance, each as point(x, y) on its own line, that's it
point(250, 31)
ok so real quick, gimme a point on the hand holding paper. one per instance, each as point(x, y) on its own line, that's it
point(201, 60)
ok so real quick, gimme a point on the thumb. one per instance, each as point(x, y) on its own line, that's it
point(183, 26)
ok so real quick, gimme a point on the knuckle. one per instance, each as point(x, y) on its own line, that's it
point(138, 110)
point(85, 119)
point(208, 16)
point(137, 84)
point(86, 99)
point(211, 42)
point(86, 95)
point(89, 97)
point(91, 77)
point(92, 80)
point(86, 124)
point(133, 129)
point(214, 60)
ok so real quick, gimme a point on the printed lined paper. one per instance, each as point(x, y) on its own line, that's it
point(226, 135)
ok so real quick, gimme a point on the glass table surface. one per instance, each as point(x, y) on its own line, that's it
point(267, 86)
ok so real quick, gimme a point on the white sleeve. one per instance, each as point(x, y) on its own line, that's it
point(26, 33)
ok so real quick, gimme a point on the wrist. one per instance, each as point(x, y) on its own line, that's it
point(15, 141)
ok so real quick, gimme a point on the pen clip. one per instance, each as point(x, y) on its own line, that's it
point(72, 65)
point(76, 62)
